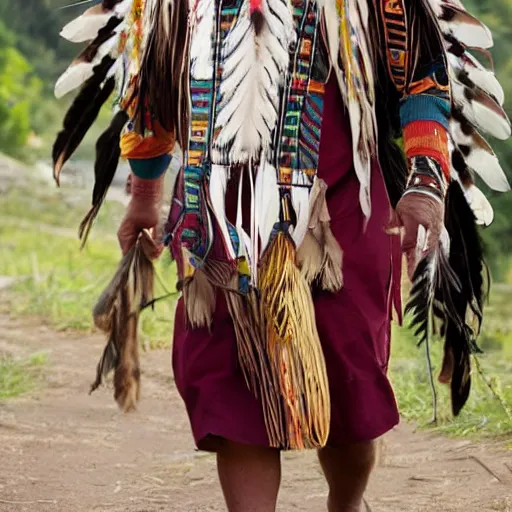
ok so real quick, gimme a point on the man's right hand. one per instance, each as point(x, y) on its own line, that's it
point(143, 212)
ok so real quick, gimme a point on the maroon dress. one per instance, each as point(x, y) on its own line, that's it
point(354, 324)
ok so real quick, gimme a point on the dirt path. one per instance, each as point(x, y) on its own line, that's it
point(64, 451)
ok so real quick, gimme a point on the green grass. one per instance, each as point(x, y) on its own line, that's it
point(63, 207)
point(18, 377)
point(58, 281)
point(487, 413)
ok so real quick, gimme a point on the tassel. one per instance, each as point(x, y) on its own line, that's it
point(116, 313)
point(293, 346)
point(198, 291)
point(255, 361)
point(310, 257)
point(107, 157)
point(320, 255)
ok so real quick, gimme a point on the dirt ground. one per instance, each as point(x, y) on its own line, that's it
point(62, 450)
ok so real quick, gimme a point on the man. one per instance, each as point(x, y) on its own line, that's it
point(285, 214)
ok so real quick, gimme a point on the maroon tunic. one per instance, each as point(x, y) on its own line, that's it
point(354, 324)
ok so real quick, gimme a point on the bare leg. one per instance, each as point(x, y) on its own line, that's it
point(250, 477)
point(347, 471)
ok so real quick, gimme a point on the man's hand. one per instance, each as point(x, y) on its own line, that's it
point(421, 205)
point(143, 212)
point(415, 210)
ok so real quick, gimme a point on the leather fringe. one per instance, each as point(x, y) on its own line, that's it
point(320, 256)
point(255, 362)
point(199, 287)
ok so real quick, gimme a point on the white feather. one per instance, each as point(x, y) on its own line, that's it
point(218, 185)
point(86, 27)
point(79, 72)
point(361, 155)
point(201, 67)
point(480, 205)
point(444, 241)
point(463, 26)
point(482, 112)
point(300, 203)
point(267, 202)
point(480, 76)
point(481, 159)
point(488, 167)
point(332, 24)
point(254, 68)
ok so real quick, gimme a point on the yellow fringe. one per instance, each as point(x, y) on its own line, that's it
point(255, 362)
point(293, 346)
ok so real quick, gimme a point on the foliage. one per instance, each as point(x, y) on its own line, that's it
point(19, 93)
point(486, 412)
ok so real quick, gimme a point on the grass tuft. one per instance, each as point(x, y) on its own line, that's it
point(18, 377)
